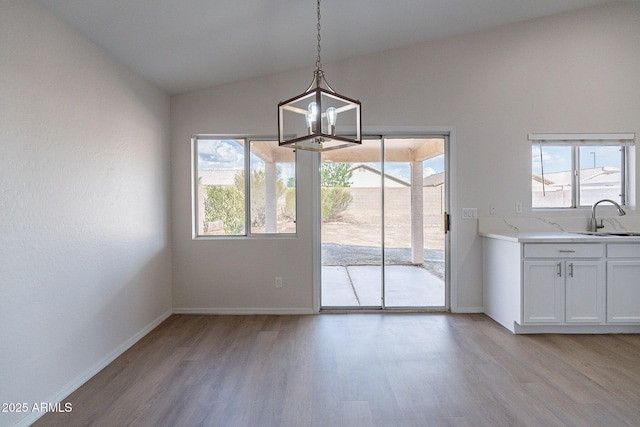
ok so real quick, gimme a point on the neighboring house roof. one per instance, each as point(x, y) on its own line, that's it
point(601, 175)
point(592, 177)
point(538, 179)
point(367, 176)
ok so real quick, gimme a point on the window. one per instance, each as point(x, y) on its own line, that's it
point(226, 203)
point(574, 170)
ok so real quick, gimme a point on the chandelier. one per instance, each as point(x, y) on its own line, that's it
point(319, 119)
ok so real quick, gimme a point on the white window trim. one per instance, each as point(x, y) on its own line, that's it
point(624, 140)
point(247, 168)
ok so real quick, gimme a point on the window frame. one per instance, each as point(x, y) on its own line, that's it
point(248, 139)
point(575, 141)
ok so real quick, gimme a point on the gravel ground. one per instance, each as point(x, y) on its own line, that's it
point(335, 254)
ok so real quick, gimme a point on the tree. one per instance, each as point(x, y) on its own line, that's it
point(335, 177)
point(336, 174)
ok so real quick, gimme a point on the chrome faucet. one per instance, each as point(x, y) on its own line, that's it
point(594, 226)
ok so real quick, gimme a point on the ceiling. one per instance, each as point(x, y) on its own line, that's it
point(184, 45)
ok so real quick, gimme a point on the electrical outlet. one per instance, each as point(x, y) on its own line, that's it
point(278, 282)
point(518, 207)
point(492, 210)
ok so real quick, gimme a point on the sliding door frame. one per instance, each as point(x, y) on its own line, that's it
point(451, 277)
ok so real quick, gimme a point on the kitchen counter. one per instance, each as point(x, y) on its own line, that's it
point(559, 237)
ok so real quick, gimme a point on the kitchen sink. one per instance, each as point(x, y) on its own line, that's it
point(609, 233)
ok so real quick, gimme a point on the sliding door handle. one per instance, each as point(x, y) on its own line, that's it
point(447, 222)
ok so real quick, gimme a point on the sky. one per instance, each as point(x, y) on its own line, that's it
point(558, 158)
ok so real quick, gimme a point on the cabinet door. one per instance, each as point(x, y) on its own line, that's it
point(542, 292)
point(623, 291)
point(584, 291)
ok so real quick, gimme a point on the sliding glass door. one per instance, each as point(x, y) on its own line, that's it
point(382, 231)
point(414, 208)
point(351, 229)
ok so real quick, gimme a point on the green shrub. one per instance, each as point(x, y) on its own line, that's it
point(225, 204)
point(334, 201)
point(258, 194)
point(290, 204)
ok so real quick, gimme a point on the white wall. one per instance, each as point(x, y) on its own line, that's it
point(84, 207)
point(575, 72)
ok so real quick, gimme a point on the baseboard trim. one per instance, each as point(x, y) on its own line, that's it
point(576, 329)
point(244, 311)
point(89, 373)
point(467, 310)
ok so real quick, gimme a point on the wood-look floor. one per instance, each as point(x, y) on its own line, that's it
point(361, 370)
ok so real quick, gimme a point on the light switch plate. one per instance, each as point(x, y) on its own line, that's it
point(469, 213)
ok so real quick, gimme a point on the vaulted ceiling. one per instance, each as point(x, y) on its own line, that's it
point(184, 45)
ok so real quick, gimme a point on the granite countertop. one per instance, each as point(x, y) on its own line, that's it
point(559, 237)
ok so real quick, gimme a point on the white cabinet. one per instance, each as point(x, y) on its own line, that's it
point(542, 292)
point(623, 283)
point(561, 291)
point(623, 291)
point(562, 287)
point(584, 291)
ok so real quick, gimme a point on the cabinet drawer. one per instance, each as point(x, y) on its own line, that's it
point(561, 250)
point(623, 250)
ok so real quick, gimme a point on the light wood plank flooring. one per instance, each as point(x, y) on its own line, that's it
point(430, 369)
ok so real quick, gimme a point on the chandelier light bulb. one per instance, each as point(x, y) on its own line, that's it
point(311, 116)
point(311, 119)
point(313, 110)
point(332, 116)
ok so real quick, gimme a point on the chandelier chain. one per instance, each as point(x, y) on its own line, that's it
point(318, 62)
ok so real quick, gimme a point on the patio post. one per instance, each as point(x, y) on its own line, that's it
point(417, 237)
point(270, 209)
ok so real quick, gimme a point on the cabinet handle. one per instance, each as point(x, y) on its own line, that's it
point(559, 269)
point(567, 251)
point(570, 269)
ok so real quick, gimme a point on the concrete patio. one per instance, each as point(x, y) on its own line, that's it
point(360, 286)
